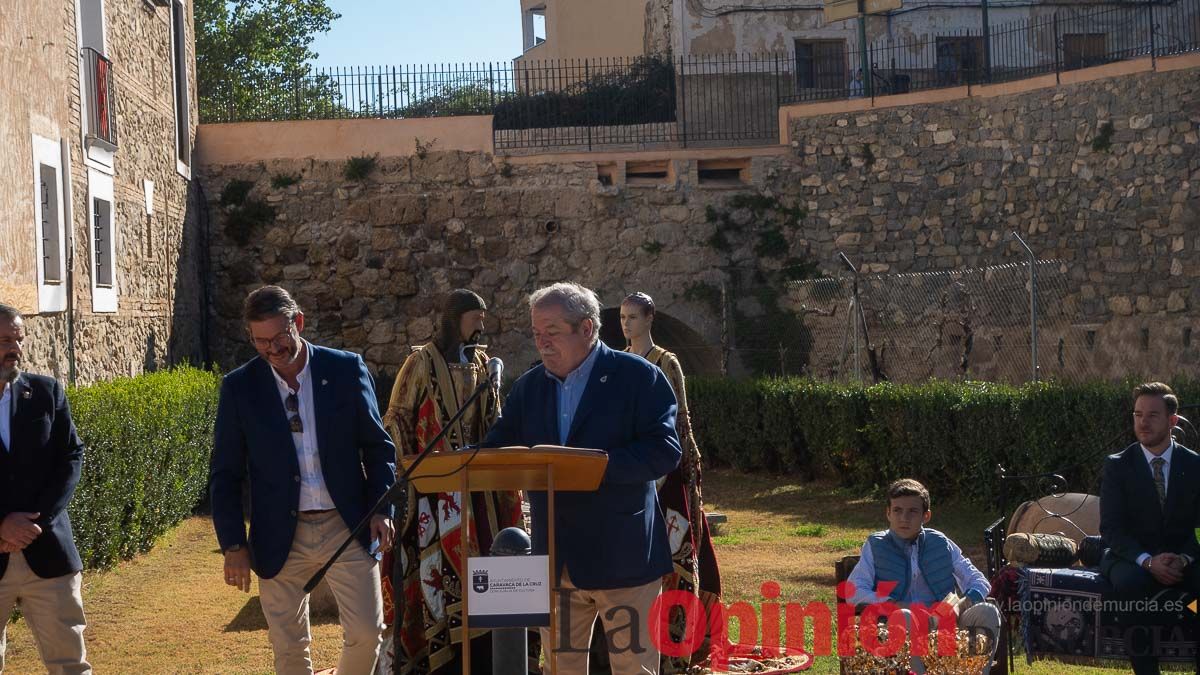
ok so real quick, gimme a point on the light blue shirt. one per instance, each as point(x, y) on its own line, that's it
point(570, 390)
point(6, 412)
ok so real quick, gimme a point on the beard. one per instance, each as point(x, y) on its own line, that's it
point(474, 338)
point(9, 373)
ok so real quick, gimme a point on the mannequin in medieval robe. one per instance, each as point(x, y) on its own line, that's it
point(432, 385)
point(695, 562)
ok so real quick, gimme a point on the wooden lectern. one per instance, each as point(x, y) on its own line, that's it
point(542, 467)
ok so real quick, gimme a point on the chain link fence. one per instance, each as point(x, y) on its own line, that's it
point(968, 324)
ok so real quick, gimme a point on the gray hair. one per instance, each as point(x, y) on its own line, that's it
point(267, 302)
point(577, 302)
point(10, 313)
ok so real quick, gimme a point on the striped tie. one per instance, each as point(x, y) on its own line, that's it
point(1160, 482)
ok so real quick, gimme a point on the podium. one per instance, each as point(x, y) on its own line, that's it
point(543, 467)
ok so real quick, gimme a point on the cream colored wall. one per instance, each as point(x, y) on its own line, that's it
point(34, 86)
point(588, 29)
point(325, 140)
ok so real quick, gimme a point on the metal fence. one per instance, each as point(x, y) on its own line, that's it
point(1066, 39)
point(697, 100)
point(963, 324)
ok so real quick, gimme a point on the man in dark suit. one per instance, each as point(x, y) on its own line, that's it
point(1149, 506)
point(40, 457)
point(612, 543)
point(301, 424)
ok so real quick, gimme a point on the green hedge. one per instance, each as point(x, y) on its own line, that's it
point(949, 435)
point(145, 467)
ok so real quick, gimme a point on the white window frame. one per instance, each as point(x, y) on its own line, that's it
point(100, 186)
point(529, 29)
point(184, 168)
point(52, 295)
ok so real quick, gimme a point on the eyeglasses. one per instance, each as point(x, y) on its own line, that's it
point(293, 407)
point(282, 341)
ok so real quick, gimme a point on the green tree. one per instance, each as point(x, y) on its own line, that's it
point(253, 60)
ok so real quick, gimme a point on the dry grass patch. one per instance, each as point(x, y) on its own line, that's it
point(169, 611)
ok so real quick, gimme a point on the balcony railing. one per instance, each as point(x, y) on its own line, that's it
point(101, 97)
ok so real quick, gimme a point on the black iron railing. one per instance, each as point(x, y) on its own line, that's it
point(101, 97)
point(1052, 42)
point(707, 100)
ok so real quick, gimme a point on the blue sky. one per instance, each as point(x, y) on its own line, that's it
point(396, 32)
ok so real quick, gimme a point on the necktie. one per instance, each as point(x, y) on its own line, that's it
point(1160, 482)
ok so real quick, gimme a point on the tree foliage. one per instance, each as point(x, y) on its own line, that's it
point(253, 59)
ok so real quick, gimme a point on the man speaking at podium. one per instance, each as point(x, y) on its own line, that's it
point(612, 548)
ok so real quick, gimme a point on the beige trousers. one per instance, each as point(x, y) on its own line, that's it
point(630, 649)
point(354, 581)
point(54, 609)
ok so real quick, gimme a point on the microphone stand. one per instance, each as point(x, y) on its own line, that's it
point(392, 493)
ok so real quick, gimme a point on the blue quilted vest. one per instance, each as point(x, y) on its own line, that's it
point(933, 557)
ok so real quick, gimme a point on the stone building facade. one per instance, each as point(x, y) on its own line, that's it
point(1102, 175)
point(100, 248)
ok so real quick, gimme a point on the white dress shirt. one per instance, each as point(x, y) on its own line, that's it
point(966, 575)
point(314, 496)
point(6, 413)
point(1166, 466)
point(1166, 481)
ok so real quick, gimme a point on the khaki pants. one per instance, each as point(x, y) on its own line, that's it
point(630, 649)
point(54, 609)
point(354, 581)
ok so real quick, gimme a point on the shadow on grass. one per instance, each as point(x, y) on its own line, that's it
point(250, 618)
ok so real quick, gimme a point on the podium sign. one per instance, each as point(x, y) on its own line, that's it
point(840, 10)
point(509, 591)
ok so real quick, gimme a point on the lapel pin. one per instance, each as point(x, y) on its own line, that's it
point(603, 379)
point(26, 394)
point(324, 382)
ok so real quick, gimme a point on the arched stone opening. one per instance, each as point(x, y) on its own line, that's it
point(696, 355)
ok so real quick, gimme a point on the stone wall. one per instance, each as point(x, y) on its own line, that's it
point(938, 187)
point(158, 317)
point(906, 189)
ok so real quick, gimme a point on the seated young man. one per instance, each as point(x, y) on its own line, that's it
point(923, 566)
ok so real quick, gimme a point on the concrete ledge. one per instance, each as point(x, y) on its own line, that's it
point(248, 142)
point(1180, 62)
point(1142, 65)
point(1050, 81)
point(649, 155)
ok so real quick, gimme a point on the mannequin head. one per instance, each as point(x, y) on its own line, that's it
point(637, 316)
point(463, 313)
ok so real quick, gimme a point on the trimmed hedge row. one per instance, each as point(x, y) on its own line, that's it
point(949, 435)
point(145, 467)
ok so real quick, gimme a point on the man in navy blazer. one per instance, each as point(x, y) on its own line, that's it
point(301, 425)
point(1149, 509)
point(40, 457)
point(612, 543)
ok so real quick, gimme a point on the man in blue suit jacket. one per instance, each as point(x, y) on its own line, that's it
point(1149, 509)
point(612, 543)
point(40, 457)
point(301, 424)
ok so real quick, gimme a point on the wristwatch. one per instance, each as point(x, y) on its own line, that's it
point(231, 549)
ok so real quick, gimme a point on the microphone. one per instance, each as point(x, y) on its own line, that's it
point(495, 370)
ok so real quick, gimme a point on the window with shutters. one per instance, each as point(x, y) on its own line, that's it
point(821, 64)
point(48, 219)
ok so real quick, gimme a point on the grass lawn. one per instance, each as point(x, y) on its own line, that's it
point(169, 611)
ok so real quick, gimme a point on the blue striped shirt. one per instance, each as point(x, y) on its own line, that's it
point(570, 391)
